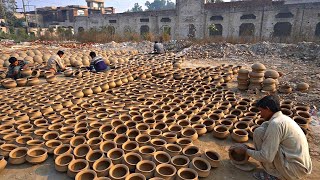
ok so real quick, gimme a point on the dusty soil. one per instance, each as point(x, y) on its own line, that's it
point(226, 170)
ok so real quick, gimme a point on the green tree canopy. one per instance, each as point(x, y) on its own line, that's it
point(136, 8)
point(160, 5)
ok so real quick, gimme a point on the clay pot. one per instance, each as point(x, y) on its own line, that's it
point(191, 152)
point(77, 165)
point(184, 142)
point(187, 174)
point(303, 87)
point(109, 135)
point(131, 160)
point(170, 137)
point(93, 156)
point(22, 140)
point(242, 125)
point(62, 162)
point(37, 155)
point(34, 144)
point(94, 143)
point(62, 149)
point(147, 152)
point(190, 133)
point(102, 167)
point(200, 128)
point(221, 132)
point(180, 161)
point(130, 146)
point(121, 139)
point(116, 155)
point(240, 135)
point(212, 157)
point(18, 155)
point(5, 149)
point(302, 122)
point(22, 82)
point(77, 140)
point(173, 149)
point(3, 163)
point(166, 171)
point(160, 157)
point(143, 139)
point(201, 166)
point(136, 176)
point(119, 172)
point(238, 158)
point(304, 115)
point(86, 174)
point(146, 168)
point(81, 151)
point(9, 83)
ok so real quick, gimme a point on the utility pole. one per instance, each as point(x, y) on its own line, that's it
point(25, 15)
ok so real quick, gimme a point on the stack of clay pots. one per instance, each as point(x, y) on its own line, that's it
point(243, 79)
point(257, 76)
point(269, 85)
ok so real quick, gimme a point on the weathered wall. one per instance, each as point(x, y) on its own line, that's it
point(193, 18)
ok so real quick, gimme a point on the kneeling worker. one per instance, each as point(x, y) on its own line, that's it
point(97, 63)
point(15, 68)
point(55, 63)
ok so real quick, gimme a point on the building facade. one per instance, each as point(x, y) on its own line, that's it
point(259, 19)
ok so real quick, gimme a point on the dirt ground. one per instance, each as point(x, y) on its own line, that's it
point(226, 170)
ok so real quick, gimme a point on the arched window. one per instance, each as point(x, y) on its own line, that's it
point(246, 29)
point(282, 29)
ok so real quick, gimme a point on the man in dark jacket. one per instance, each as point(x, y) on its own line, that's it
point(15, 67)
point(97, 63)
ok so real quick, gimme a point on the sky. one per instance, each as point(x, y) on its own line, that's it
point(120, 5)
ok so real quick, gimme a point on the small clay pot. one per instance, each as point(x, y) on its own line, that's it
point(86, 174)
point(304, 115)
point(131, 160)
point(166, 171)
point(160, 157)
point(238, 158)
point(187, 174)
point(18, 155)
point(94, 143)
point(147, 152)
point(201, 166)
point(37, 155)
point(5, 149)
point(102, 167)
point(240, 135)
point(191, 152)
point(146, 168)
point(81, 151)
point(116, 155)
point(190, 133)
point(64, 148)
point(77, 165)
point(180, 161)
point(170, 137)
point(212, 157)
point(130, 146)
point(93, 156)
point(77, 140)
point(221, 132)
point(173, 149)
point(302, 122)
point(136, 176)
point(62, 162)
point(184, 142)
point(119, 172)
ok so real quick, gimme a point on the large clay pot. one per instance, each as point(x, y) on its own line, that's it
point(116, 155)
point(131, 160)
point(173, 149)
point(161, 157)
point(180, 161)
point(201, 166)
point(81, 151)
point(62, 149)
point(77, 165)
point(166, 171)
point(93, 156)
point(86, 174)
point(136, 176)
point(191, 152)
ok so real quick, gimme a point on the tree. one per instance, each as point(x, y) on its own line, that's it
point(160, 5)
point(136, 8)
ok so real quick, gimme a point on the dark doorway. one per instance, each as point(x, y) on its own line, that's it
point(246, 29)
point(282, 29)
point(216, 30)
point(192, 31)
point(144, 30)
point(317, 33)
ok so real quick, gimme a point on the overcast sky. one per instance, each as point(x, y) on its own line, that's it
point(120, 5)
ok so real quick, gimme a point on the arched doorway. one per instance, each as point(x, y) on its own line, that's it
point(216, 30)
point(144, 30)
point(247, 29)
point(192, 31)
point(282, 29)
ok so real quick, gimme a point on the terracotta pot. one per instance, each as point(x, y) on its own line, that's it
point(62, 162)
point(3, 163)
point(22, 140)
point(146, 168)
point(238, 158)
point(37, 155)
point(183, 142)
point(94, 143)
point(173, 149)
point(119, 172)
point(121, 139)
point(77, 140)
point(240, 135)
point(221, 132)
point(143, 139)
point(170, 137)
point(136, 176)
point(93, 156)
point(22, 82)
point(160, 157)
point(190, 133)
point(86, 174)
point(131, 160)
point(212, 157)
point(35, 143)
point(187, 174)
point(77, 165)
point(147, 152)
point(155, 133)
point(5, 149)
point(102, 167)
point(201, 166)
point(18, 155)
point(180, 161)
point(81, 151)
point(109, 135)
point(304, 115)
point(191, 152)
point(62, 149)
point(302, 122)
point(242, 125)
point(116, 155)
point(130, 146)
point(166, 171)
